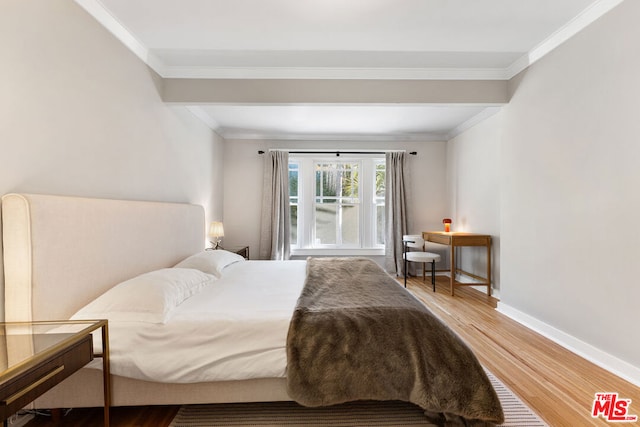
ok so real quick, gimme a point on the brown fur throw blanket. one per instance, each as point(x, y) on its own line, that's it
point(356, 334)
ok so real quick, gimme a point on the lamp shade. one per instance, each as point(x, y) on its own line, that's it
point(216, 229)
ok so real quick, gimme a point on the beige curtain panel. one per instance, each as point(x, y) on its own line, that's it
point(275, 227)
point(395, 202)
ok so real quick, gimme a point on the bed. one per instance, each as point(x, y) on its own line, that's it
point(62, 254)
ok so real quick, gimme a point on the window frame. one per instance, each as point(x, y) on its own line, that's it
point(305, 244)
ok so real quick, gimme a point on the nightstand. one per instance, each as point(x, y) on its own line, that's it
point(240, 250)
point(36, 356)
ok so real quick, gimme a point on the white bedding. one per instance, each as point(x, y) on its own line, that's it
point(233, 329)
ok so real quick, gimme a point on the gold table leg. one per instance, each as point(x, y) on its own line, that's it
point(106, 374)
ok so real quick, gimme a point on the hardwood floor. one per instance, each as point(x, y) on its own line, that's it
point(554, 382)
point(557, 384)
point(126, 416)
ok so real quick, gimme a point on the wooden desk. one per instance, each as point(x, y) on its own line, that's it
point(455, 239)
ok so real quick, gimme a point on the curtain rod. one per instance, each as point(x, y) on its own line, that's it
point(337, 153)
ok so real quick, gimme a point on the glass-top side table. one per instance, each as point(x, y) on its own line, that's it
point(36, 356)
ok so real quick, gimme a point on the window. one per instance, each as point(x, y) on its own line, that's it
point(336, 203)
point(293, 200)
point(378, 200)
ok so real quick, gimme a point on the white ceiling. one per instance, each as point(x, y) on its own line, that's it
point(343, 39)
point(367, 122)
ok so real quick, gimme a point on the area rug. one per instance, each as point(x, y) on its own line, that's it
point(374, 414)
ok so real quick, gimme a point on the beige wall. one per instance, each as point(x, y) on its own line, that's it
point(81, 115)
point(568, 199)
point(243, 183)
point(473, 184)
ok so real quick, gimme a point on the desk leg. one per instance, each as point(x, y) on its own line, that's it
point(106, 374)
point(453, 267)
point(488, 269)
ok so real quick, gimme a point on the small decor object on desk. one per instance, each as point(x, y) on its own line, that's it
point(447, 224)
point(216, 231)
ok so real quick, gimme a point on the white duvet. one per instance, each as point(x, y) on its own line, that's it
point(232, 329)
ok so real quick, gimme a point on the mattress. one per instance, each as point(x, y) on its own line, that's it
point(233, 329)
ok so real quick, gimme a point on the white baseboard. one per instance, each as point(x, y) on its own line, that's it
point(605, 360)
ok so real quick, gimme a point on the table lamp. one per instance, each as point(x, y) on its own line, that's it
point(216, 231)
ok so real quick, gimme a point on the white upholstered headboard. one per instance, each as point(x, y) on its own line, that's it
point(62, 252)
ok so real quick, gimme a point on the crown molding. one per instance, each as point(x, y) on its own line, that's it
point(585, 18)
point(96, 9)
point(205, 118)
point(202, 115)
point(480, 117)
point(577, 24)
point(335, 73)
point(229, 134)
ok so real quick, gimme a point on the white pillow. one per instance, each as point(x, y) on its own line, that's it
point(211, 261)
point(149, 297)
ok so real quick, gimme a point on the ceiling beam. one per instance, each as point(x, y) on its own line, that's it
point(334, 91)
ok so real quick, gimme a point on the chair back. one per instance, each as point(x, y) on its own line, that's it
point(413, 241)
